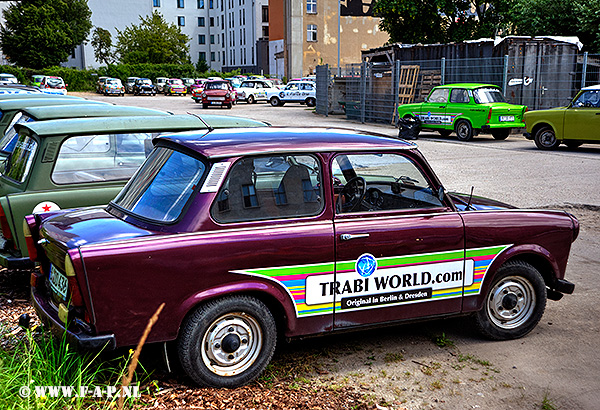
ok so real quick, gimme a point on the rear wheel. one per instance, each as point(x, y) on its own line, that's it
point(545, 138)
point(311, 102)
point(275, 102)
point(515, 302)
point(501, 134)
point(464, 130)
point(228, 106)
point(250, 99)
point(445, 133)
point(227, 342)
point(205, 106)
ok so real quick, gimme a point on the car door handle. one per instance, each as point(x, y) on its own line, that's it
point(350, 236)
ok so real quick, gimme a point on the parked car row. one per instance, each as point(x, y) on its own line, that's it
point(45, 83)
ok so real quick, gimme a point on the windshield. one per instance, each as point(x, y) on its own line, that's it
point(216, 86)
point(8, 141)
point(487, 95)
point(162, 186)
point(176, 82)
point(54, 82)
point(20, 161)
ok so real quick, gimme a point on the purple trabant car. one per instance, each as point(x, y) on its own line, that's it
point(248, 234)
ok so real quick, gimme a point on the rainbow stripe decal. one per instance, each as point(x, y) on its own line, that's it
point(370, 282)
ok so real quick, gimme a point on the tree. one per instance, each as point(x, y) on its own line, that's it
point(102, 44)
point(44, 33)
point(440, 21)
point(153, 41)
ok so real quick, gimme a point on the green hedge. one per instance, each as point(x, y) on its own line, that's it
point(85, 80)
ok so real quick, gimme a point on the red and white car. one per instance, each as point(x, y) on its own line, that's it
point(218, 92)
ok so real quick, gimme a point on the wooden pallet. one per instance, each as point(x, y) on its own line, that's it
point(429, 79)
point(409, 75)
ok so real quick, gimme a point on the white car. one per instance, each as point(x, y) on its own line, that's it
point(303, 92)
point(8, 79)
point(252, 91)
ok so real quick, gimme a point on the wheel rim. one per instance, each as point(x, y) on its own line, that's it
point(232, 344)
point(511, 302)
point(462, 130)
point(547, 138)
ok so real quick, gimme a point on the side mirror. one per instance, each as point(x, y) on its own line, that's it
point(440, 193)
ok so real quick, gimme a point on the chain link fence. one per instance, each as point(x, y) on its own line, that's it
point(371, 92)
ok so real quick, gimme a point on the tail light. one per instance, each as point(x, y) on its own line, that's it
point(29, 241)
point(489, 116)
point(4, 225)
point(524, 111)
point(76, 299)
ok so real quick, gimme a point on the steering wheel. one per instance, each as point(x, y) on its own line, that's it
point(352, 195)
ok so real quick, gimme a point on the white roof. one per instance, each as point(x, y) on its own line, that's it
point(592, 87)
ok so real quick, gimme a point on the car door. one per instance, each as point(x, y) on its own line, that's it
point(433, 111)
point(399, 248)
point(582, 118)
point(457, 107)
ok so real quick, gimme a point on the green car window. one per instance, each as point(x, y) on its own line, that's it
point(588, 99)
point(487, 95)
point(21, 159)
point(439, 95)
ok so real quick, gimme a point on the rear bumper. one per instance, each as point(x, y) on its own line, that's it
point(564, 286)
point(11, 261)
point(528, 135)
point(75, 334)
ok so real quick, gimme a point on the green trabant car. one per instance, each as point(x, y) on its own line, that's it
point(79, 162)
point(467, 109)
point(573, 125)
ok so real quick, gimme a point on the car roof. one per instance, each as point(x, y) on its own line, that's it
point(87, 110)
point(591, 87)
point(470, 86)
point(9, 104)
point(225, 143)
point(169, 123)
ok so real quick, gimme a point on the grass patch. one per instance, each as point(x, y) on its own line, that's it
point(547, 403)
point(443, 341)
point(393, 357)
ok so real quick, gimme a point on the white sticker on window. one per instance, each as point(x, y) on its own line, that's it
point(215, 177)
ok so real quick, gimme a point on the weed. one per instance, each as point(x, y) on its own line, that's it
point(393, 357)
point(427, 370)
point(547, 403)
point(443, 341)
point(456, 381)
point(407, 374)
point(383, 373)
point(436, 385)
point(506, 385)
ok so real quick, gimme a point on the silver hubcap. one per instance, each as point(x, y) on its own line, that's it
point(232, 344)
point(511, 302)
point(463, 130)
point(547, 139)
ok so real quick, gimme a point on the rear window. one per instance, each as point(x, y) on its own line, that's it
point(21, 159)
point(9, 140)
point(99, 158)
point(162, 186)
point(487, 95)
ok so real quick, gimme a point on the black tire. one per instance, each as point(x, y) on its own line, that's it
point(573, 144)
point(205, 106)
point(250, 99)
point(545, 138)
point(311, 102)
point(211, 335)
point(445, 133)
point(228, 106)
point(464, 130)
point(514, 303)
point(275, 102)
point(501, 134)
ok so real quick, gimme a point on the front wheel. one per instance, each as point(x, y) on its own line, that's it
point(514, 304)
point(275, 102)
point(501, 134)
point(464, 130)
point(227, 342)
point(545, 138)
point(250, 99)
point(311, 102)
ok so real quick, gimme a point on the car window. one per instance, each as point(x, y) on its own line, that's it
point(8, 141)
point(380, 182)
point(270, 187)
point(162, 186)
point(589, 99)
point(306, 86)
point(459, 95)
point(487, 95)
point(292, 87)
point(247, 84)
point(21, 159)
point(439, 95)
point(98, 158)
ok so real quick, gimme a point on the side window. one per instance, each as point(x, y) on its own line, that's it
point(98, 158)
point(589, 99)
point(380, 182)
point(270, 187)
point(439, 95)
point(459, 95)
point(306, 87)
point(292, 87)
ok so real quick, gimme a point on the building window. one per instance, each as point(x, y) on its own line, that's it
point(181, 20)
point(180, 4)
point(212, 21)
point(212, 56)
point(265, 31)
point(223, 41)
point(212, 39)
point(201, 22)
point(265, 14)
point(201, 39)
point(311, 6)
point(311, 32)
point(210, 5)
point(156, 3)
point(200, 4)
point(201, 56)
point(223, 57)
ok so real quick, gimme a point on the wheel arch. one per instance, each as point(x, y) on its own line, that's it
point(543, 124)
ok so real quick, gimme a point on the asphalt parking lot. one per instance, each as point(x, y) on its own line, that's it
point(561, 357)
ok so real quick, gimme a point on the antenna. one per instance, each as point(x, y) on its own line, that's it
point(203, 122)
point(470, 198)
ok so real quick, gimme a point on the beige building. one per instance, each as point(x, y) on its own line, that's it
point(310, 33)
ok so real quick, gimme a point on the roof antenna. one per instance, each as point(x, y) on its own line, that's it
point(203, 122)
point(470, 198)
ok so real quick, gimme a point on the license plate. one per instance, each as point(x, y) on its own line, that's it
point(507, 118)
point(216, 102)
point(215, 98)
point(58, 282)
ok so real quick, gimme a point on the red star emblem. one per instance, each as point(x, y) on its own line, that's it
point(46, 208)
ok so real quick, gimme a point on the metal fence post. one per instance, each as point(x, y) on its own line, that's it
point(363, 92)
point(505, 76)
point(396, 90)
point(584, 72)
point(443, 72)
